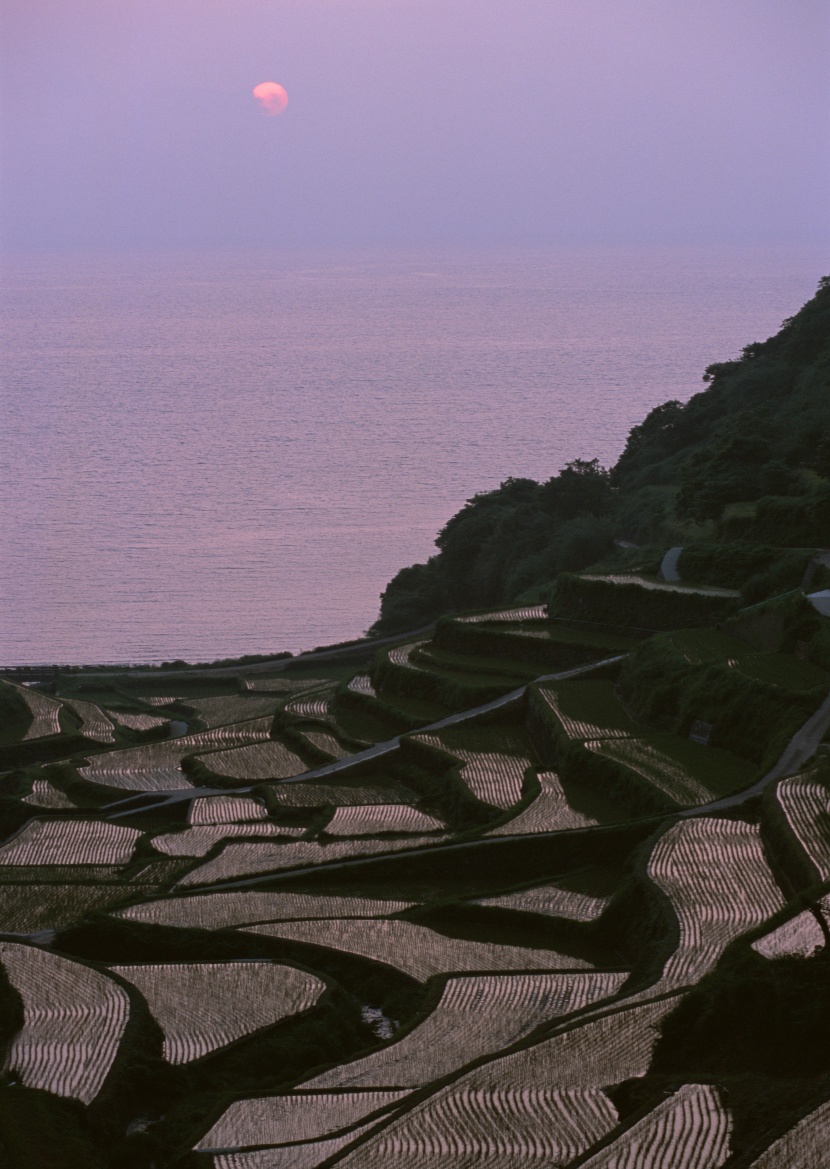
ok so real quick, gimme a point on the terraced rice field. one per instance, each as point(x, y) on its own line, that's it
point(73, 1021)
point(137, 720)
point(201, 1007)
point(198, 841)
point(492, 777)
point(549, 812)
point(362, 684)
point(323, 741)
point(247, 860)
point(281, 685)
point(233, 708)
point(656, 765)
point(717, 878)
point(220, 910)
point(314, 706)
point(225, 810)
point(598, 1053)
point(317, 795)
point(805, 802)
point(370, 819)
point(400, 655)
point(45, 795)
point(70, 842)
point(800, 937)
point(155, 766)
point(45, 712)
point(476, 1016)
point(299, 1156)
point(163, 699)
point(94, 723)
point(690, 1130)
point(30, 908)
point(416, 950)
point(263, 760)
point(529, 613)
point(62, 874)
point(588, 710)
point(463, 1127)
point(552, 901)
point(803, 1147)
point(273, 1120)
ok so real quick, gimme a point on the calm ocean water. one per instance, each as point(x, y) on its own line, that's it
point(215, 454)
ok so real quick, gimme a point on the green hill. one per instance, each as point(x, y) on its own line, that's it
point(747, 460)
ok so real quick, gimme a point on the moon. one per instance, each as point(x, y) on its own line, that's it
point(272, 97)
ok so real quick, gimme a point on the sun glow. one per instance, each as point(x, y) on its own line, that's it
point(272, 97)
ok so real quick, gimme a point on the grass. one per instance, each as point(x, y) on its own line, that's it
point(587, 709)
point(705, 645)
point(342, 793)
point(234, 708)
point(686, 773)
point(785, 671)
point(37, 1127)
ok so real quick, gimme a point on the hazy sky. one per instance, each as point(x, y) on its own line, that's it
point(132, 122)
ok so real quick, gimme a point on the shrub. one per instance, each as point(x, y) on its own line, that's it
point(634, 606)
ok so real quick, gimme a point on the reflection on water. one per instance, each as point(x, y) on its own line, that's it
point(216, 454)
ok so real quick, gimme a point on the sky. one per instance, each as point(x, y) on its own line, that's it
point(132, 123)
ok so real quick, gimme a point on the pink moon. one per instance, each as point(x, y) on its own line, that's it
point(272, 97)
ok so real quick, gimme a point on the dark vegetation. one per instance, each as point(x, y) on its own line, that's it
point(746, 460)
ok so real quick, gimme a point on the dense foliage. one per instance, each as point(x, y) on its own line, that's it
point(746, 459)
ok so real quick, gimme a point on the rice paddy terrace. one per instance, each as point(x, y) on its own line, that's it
point(531, 888)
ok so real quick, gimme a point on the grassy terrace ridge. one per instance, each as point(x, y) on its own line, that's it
point(542, 866)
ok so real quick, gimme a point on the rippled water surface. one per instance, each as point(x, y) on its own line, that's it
point(216, 454)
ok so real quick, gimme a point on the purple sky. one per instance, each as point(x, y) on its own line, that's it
point(131, 122)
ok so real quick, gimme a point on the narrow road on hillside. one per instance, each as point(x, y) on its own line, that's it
point(801, 747)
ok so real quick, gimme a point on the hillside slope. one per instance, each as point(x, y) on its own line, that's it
point(747, 459)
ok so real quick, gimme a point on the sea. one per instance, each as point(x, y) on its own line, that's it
point(209, 454)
